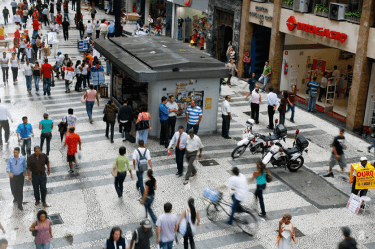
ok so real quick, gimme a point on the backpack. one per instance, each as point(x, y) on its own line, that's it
point(6, 12)
point(142, 163)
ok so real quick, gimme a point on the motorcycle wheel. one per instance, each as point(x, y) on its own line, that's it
point(238, 151)
point(254, 150)
point(296, 165)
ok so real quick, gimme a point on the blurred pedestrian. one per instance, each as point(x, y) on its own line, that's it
point(36, 164)
point(291, 103)
point(125, 118)
point(97, 72)
point(172, 116)
point(47, 75)
point(282, 109)
point(16, 168)
point(93, 13)
point(46, 125)
point(179, 139)
point(116, 240)
point(163, 116)
point(71, 142)
point(193, 144)
point(149, 194)
point(110, 111)
point(97, 29)
point(226, 115)
point(103, 30)
point(260, 175)
point(66, 26)
point(67, 122)
point(167, 225)
point(286, 232)
point(192, 219)
point(348, 242)
point(90, 97)
point(142, 235)
point(24, 132)
point(28, 72)
point(141, 155)
point(36, 75)
point(4, 123)
point(43, 226)
point(5, 67)
point(143, 117)
point(272, 104)
point(15, 65)
point(121, 162)
point(3, 244)
point(338, 154)
point(5, 15)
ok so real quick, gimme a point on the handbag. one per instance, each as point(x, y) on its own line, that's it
point(105, 117)
point(114, 170)
point(268, 178)
point(83, 99)
point(144, 124)
point(35, 233)
point(53, 83)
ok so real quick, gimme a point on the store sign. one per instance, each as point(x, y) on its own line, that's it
point(319, 65)
point(261, 16)
point(312, 29)
point(187, 3)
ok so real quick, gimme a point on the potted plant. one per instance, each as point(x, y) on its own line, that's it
point(321, 10)
point(288, 4)
point(348, 15)
point(356, 16)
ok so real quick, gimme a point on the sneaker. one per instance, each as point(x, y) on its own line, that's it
point(71, 171)
point(292, 120)
point(262, 215)
point(329, 175)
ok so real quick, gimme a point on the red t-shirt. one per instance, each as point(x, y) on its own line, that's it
point(201, 42)
point(72, 141)
point(46, 70)
point(19, 12)
point(194, 37)
point(59, 19)
point(35, 25)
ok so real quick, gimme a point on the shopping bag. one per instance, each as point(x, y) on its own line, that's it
point(182, 228)
point(143, 212)
point(83, 99)
point(79, 154)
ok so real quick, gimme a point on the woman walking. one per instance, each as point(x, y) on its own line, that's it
point(97, 29)
point(28, 72)
point(90, 96)
point(143, 116)
point(85, 67)
point(15, 65)
point(43, 226)
point(282, 109)
point(5, 67)
point(110, 111)
point(36, 75)
point(260, 176)
point(149, 194)
point(116, 240)
point(78, 72)
point(68, 77)
point(256, 99)
point(121, 162)
point(46, 125)
point(192, 221)
point(286, 232)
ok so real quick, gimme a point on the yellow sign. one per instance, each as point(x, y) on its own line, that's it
point(208, 104)
point(365, 178)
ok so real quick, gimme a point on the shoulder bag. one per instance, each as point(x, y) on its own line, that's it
point(35, 233)
point(144, 124)
point(105, 117)
point(114, 170)
point(268, 178)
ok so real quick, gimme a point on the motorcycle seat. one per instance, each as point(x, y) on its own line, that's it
point(270, 138)
point(291, 151)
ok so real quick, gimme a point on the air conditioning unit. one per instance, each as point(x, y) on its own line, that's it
point(259, 1)
point(301, 5)
point(337, 11)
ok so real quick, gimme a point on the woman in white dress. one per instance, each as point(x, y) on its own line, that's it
point(286, 232)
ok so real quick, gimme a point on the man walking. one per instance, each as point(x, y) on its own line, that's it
point(314, 86)
point(52, 11)
point(141, 156)
point(16, 168)
point(36, 171)
point(4, 123)
point(66, 27)
point(142, 235)
point(163, 115)
point(71, 142)
point(193, 144)
point(111, 30)
point(267, 71)
point(193, 117)
point(167, 225)
point(46, 76)
point(227, 117)
point(14, 6)
point(272, 104)
point(291, 106)
point(348, 242)
point(337, 154)
point(24, 132)
point(124, 119)
point(179, 139)
point(6, 15)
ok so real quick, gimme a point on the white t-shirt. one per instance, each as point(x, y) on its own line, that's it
point(324, 82)
point(126, 244)
point(239, 183)
point(136, 156)
point(225, 107)
point(170, 106)
point(256, 97)
point(336, 75)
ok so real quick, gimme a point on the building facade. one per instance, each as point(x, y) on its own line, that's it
point(309, 38)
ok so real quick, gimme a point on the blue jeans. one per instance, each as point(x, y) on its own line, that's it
point(35, 33)
point(235, 205)
point(108, 67)
point(166, 245)
point(180, 33)
point(312, 103)
point(52, 17)
point(247, 70)
point(26, 144)
point(67, 83)
point(148, 203)
point(143, 134)
point(195, 127)
point(119, 183)
point(259, 195)
point(66, 16)
point(31, 59)
point(84, 80)
point(291, 108)
point(36, 81)
point(372, 144)
point(42, 246)
point(228, 58)
point(28, 81)
point(139, 183)
point(47, 85)
point(40, 182)
point(265, 80)
point(89, 106)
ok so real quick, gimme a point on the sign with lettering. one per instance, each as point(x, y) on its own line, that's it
point(312, 29)
point(354, 203)
point(187, 3)
point(261, 13)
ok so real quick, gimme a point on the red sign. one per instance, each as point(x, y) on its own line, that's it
point(331, 34)
point(286, 52)
point(319, 65)
point(187, 3)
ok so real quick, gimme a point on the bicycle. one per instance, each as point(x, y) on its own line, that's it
point(244, 217)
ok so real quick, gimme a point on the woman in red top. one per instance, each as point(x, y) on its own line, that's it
point(59, 19)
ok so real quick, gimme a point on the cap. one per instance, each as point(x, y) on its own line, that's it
point(345, 231)
point(363, 158)
point(59, 52)
point(146, 223)
point(287, 216)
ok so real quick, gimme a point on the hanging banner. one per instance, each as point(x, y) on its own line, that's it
point(319, 65)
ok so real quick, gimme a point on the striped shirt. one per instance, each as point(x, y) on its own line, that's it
point(314, 86)
point(194, 114)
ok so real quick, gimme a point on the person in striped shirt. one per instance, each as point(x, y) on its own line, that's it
point(314, 86)
point(193, 117)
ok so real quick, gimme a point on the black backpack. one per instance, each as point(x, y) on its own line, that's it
point(6, 12)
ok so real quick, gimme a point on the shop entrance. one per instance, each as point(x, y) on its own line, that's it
point(260, 47)
point(224, 34)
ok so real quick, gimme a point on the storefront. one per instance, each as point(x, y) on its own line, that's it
point(144, 69)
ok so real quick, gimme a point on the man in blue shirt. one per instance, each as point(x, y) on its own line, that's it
point(163, 115)
point(111, 30)
point(24, 132)
point(314, 86)
point(16, 168)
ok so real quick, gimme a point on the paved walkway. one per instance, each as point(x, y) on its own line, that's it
point(88, 205)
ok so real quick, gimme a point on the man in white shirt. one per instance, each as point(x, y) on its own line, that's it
point(136, 158)
point(272, 104)
point(193, 143)
point(4, 123)
point(227, 117)
point(172, 116)
point(238, 183)
point(179, 139)
point(336, 74)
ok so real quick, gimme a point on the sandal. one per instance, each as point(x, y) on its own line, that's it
point(186, 182)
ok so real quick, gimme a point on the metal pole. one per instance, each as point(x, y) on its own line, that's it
point(117, 8)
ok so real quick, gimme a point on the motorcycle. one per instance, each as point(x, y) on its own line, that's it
point(258, 143)
point(290, 158)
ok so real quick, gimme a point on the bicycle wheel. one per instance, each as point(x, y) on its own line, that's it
point(212, 212)
point(247, 222)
